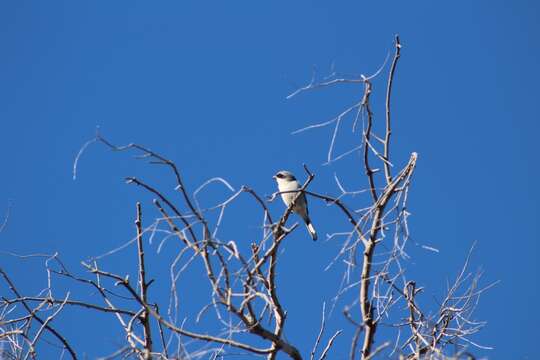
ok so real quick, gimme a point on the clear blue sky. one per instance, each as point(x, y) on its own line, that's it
point(205, 84)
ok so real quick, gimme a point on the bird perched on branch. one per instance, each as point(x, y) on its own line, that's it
point(287, 184)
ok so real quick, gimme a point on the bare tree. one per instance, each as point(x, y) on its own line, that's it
point(243, 300)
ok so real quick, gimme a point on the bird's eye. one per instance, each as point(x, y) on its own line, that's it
point(279, 175)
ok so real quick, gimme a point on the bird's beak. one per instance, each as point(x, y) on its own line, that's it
point(274, 177)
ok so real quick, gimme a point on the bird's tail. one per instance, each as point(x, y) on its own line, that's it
point(311, 229)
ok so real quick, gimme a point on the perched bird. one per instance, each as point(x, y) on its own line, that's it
point(287, 182)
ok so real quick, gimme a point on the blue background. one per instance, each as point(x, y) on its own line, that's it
point(205, 83)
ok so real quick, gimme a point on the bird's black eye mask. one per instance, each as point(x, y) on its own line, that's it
point(285, 176)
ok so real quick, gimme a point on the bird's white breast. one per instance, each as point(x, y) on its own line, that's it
point(287, 185)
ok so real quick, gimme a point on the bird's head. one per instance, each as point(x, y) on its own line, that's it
point(284, 176)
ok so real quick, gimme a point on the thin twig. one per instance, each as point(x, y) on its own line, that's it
point(143, 285)
point(388, 131)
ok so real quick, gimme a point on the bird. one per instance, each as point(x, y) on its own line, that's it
point(287, 182)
